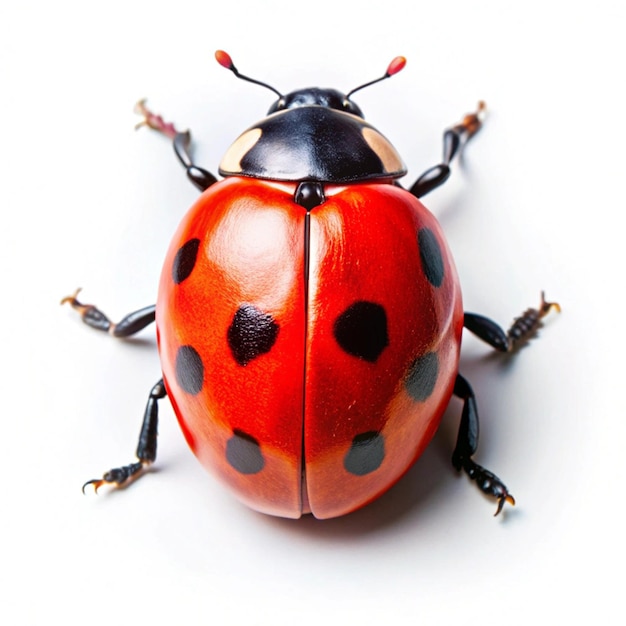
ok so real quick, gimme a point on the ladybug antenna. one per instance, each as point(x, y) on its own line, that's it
point(223, 58)
point(394, 67)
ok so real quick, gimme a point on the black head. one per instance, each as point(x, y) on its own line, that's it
point(312, 96)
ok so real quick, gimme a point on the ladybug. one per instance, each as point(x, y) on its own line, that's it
point(309, 314)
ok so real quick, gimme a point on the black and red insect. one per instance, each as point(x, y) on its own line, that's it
point(309, 314)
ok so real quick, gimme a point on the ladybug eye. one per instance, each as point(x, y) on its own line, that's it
point(351, 107)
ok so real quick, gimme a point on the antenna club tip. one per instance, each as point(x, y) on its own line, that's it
point(396, 65)
point(223, 58)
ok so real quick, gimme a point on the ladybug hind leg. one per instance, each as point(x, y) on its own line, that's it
point(467, 443)
point(146, 446)
point(522, 329)
point(129, 325)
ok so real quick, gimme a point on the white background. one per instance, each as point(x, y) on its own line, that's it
point(537, 203)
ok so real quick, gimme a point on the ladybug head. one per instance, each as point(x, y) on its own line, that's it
point(312, 96)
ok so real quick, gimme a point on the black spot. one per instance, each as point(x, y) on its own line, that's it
point(430, 253)
point(185, 260)
point(251, 333)
point(189, 370)
point(361, 330)
point(422, 376)
point(366, 453)
point(243, 452)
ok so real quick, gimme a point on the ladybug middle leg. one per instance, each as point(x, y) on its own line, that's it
point(182, 143)
point(146, 446)
point(453, 139)
point(522, 329)
point(467, 443)
point(129, 325)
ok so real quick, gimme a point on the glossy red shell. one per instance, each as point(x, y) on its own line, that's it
point(309, 411)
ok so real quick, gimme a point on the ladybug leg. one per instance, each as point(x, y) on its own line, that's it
point(146, 447)
point(467, 443)
point(182, 143)
point(198, 176)
point(129, 325)
point(522, 329)
point(453, 139)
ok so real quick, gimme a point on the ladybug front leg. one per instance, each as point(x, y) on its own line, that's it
point(522, 329)
point(146, 447)
point(467, 443)
point(182, 142)
point(453, 139)
point(129, 325)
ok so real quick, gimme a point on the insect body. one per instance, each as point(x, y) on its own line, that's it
point(309, 314)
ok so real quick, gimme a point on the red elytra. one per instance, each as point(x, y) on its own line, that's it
point(305, 425)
